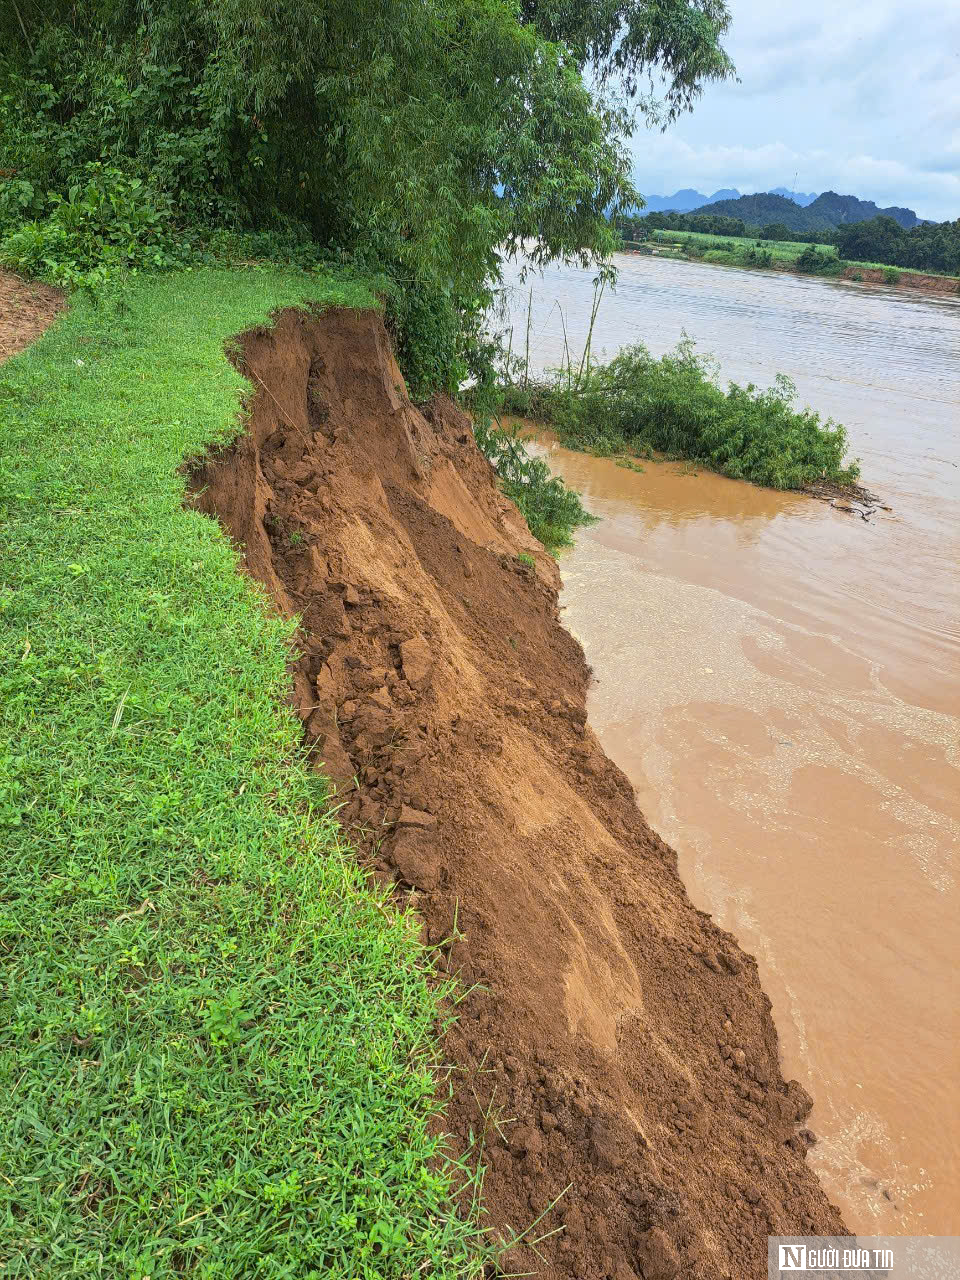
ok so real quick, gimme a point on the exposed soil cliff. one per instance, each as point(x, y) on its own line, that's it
point(618, 1044)
point(912, 279)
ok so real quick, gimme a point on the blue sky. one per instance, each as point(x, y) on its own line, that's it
point(858, 97)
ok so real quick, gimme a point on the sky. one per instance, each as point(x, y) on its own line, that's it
point(861, 97)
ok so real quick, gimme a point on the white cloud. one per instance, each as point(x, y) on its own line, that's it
point(863, 99)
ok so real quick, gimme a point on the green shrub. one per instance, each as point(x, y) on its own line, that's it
point(549, 506)
point(674, 405)
point(810, 261)
point(429, 332)
point(757, 256)
point(891, 275)
point(107, 223)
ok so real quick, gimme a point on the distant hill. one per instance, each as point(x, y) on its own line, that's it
point(826, 211)
point(843, 209)
point(685, 200)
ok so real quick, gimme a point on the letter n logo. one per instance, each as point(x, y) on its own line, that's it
point(793, 1257)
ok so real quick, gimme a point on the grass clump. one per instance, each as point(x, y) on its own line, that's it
point(674, 405)
point(550, 507)
point(216, 1037)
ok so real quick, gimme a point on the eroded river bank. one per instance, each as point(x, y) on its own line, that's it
point(781, 682)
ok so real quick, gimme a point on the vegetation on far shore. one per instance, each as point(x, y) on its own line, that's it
point(218, 1038)
point(932, 249)
point(808, 259)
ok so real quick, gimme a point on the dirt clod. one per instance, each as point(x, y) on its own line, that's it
point(416, 660)
point(657, 1257)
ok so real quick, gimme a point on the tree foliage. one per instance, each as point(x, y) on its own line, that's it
point(934, 246)
point(431, 138)
point(713, 224)
point(674, 41)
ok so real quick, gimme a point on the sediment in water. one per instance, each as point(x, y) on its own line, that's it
point(617, 1053)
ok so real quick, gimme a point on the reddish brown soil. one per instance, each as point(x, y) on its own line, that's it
point(26, 309)
point(912, 279)
point(618, 1053)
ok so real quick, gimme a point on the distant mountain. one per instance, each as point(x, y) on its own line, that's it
point(802, 198)
point(843, 209)
point(826, 211)
point(685, 200)
point(765, 207)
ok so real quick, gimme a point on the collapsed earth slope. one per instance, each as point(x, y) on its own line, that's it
point(616, 1054)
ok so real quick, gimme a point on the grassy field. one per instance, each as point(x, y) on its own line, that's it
point(216, 1039)
point(743, 251)
point(782, 250)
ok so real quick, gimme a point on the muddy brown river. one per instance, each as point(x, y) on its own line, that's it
point(781, 682)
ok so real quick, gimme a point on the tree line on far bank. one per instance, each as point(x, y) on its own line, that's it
point(930, 247)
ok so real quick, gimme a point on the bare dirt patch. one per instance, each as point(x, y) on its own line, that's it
point(26, 309)
point(617, 1054)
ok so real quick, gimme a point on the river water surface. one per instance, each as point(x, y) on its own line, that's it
point(781, 682)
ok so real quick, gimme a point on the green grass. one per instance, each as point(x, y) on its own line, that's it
point(781, 250)
point(216, 1038)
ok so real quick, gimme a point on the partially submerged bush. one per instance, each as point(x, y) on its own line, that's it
point(675, 406)
point(549, 506)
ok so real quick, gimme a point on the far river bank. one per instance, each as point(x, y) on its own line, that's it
point(857, 273)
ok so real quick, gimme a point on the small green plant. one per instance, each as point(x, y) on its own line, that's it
point(525, 558)
point(296, 538)
point(550, 507)
point(857, 275)
point(758, 256)
point(891, 275)
point(107, 223)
